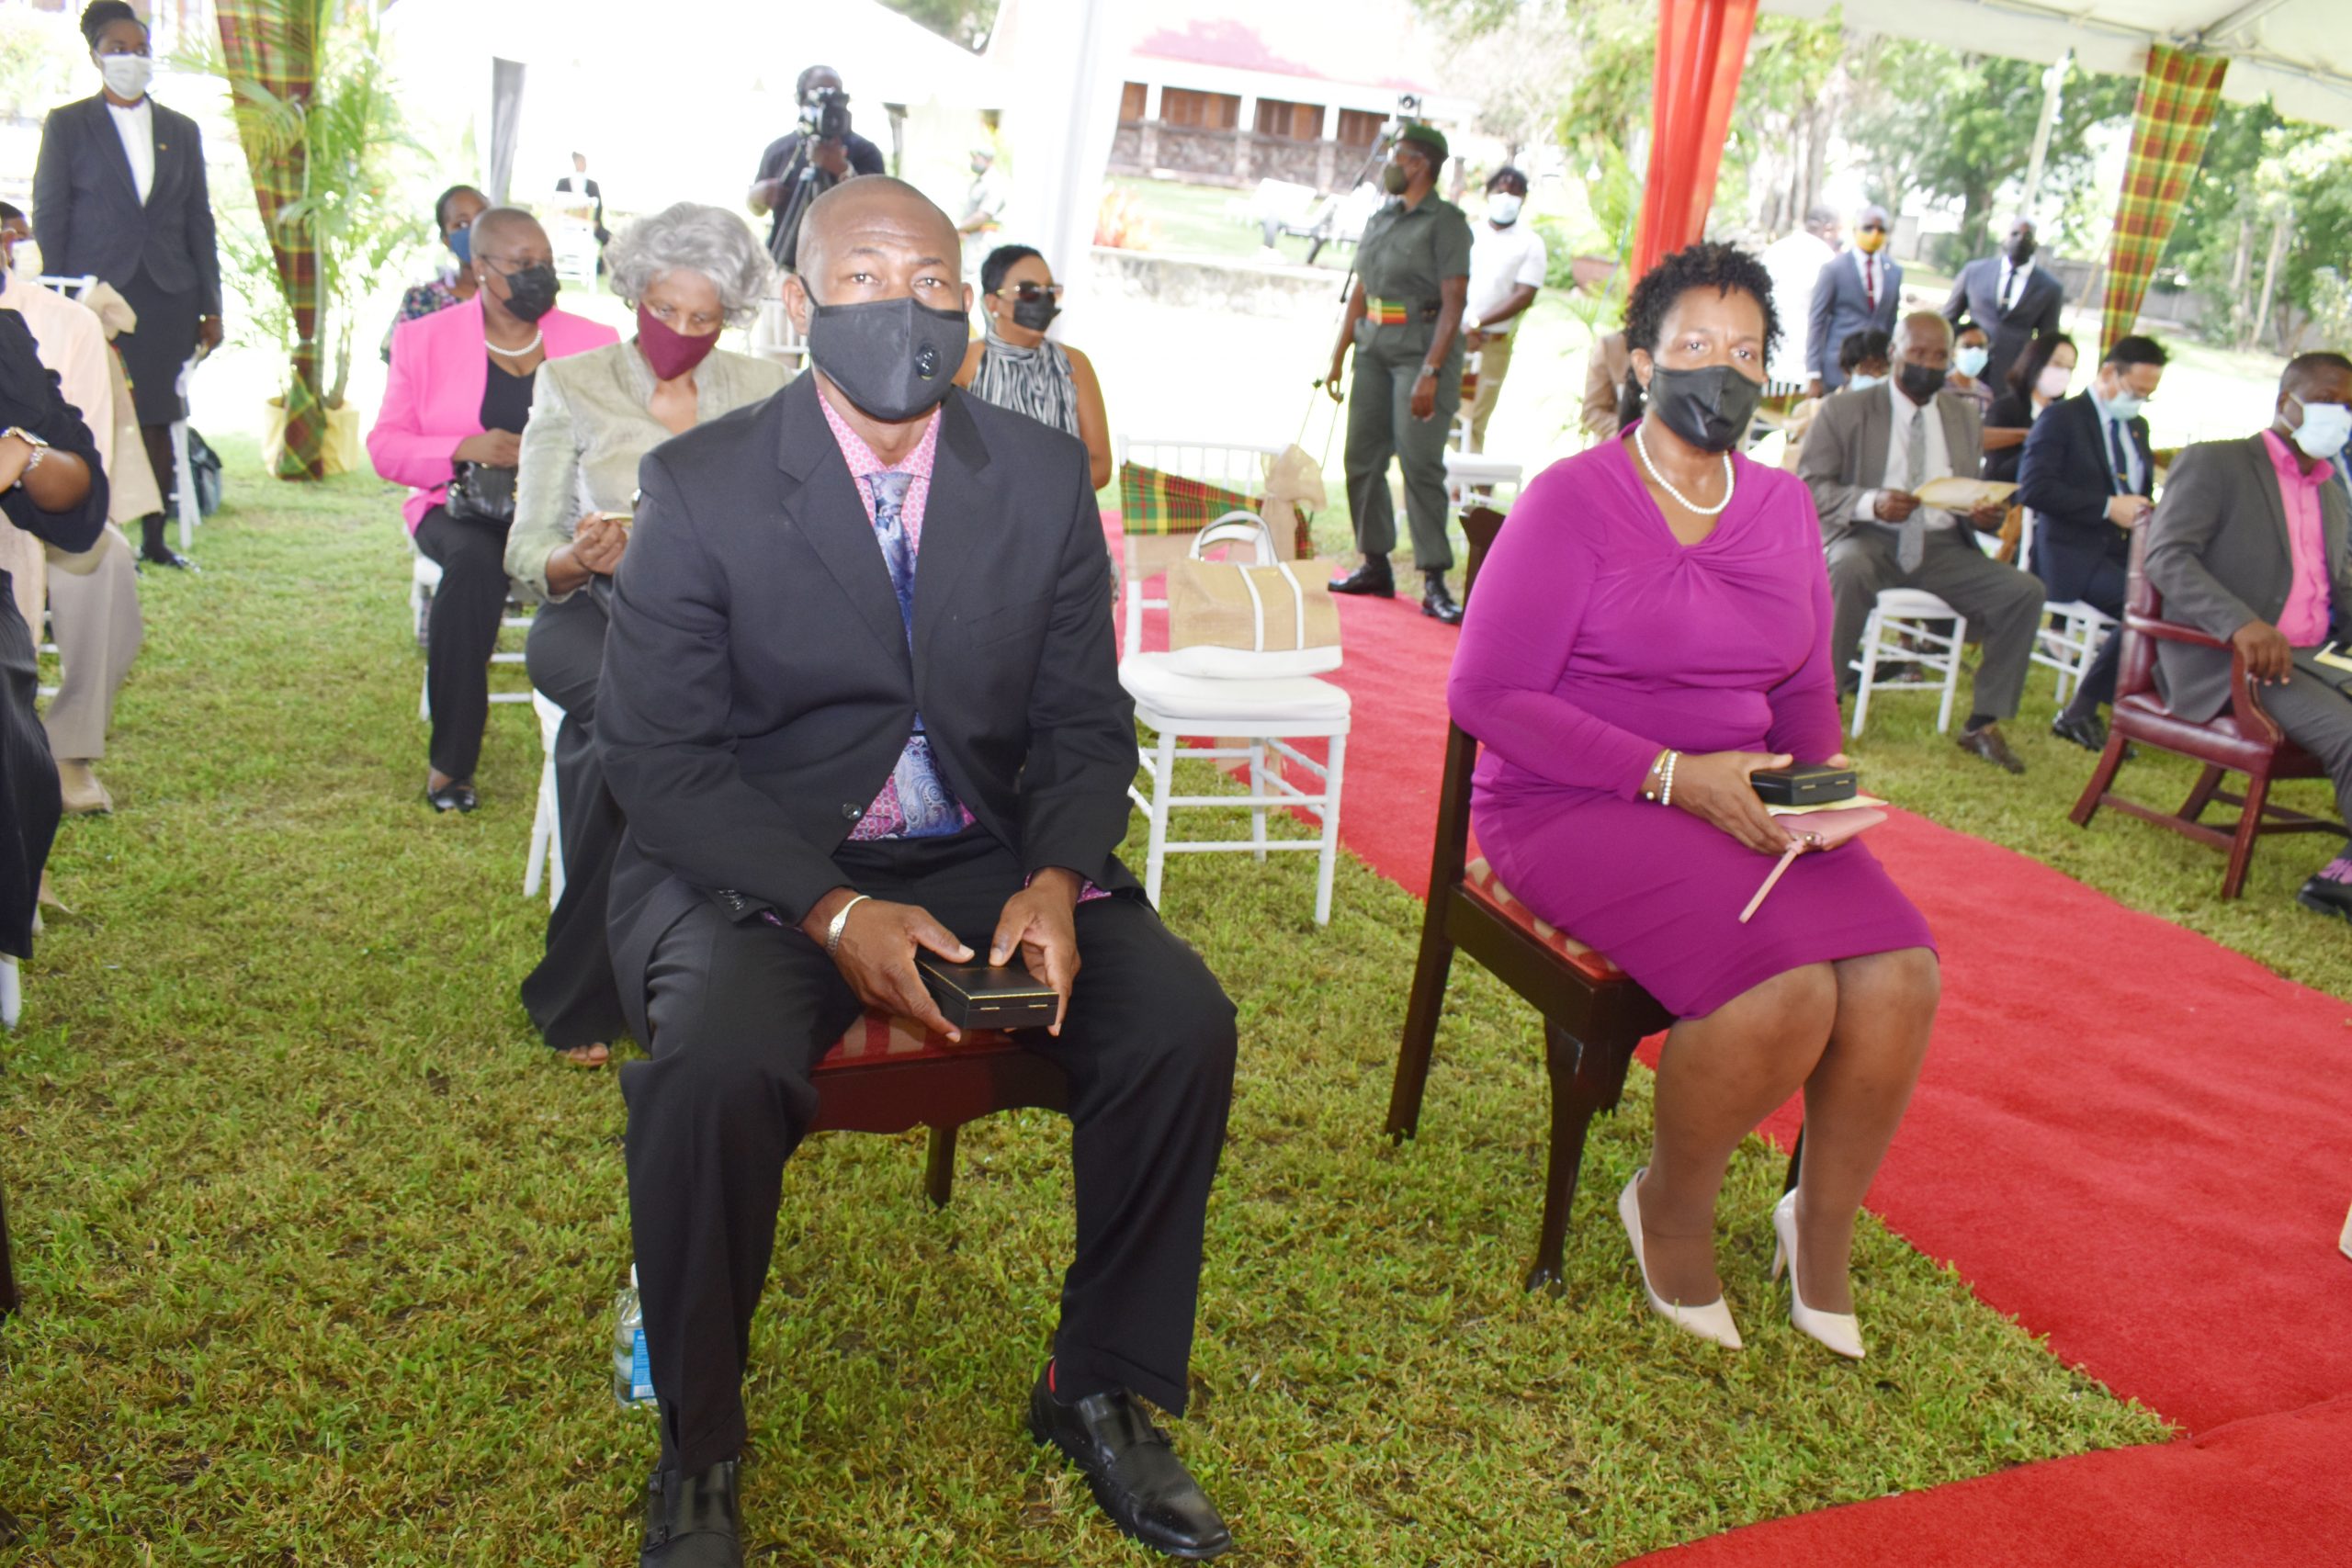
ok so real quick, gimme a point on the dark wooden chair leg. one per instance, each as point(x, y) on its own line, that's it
point(939, 1167)
point(2257, 793)
point(1586, 1079)
point(1796, 1162)
point(2201, 796)
point(9, 1300)
point(1421, 1014)
point(2102, 776)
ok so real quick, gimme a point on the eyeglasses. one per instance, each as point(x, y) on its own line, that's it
point(1030, 293)
point(1873, 228)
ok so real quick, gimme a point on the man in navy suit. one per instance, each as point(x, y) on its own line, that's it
point(2009, 296)
point(2086, 475)
point(1856, 292)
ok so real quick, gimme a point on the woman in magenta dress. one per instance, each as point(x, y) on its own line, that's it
point(1657, 612)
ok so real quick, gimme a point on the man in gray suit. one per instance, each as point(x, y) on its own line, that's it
point(2248, 543)
point(2009, 296)
point(1856, 291)
point(1865, 457)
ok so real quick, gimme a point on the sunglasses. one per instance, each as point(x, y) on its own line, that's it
point(1873, 228)
point(1030, 293)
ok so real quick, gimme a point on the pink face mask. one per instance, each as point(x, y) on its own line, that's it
point(669, 352)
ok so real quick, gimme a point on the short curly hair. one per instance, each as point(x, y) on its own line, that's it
point(1703, 266)
point(691, 237)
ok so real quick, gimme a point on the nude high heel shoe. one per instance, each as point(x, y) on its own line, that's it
point(1709, 1321)
point(1841, 1332)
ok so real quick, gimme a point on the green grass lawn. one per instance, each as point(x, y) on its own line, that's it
point(321, 1246)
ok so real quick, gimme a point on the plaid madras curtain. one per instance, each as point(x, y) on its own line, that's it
point(272, 46)
point(2168, 127)
point(1154, 501)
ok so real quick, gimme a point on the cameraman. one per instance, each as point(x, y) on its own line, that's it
point(830, 161)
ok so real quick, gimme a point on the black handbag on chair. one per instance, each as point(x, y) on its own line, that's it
point(481, 493)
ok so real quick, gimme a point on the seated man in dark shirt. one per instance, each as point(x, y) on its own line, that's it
point(861, 698)
point(828, 164)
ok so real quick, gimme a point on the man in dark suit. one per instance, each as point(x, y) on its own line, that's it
point(2248, 545)
point(793, 168)
point(1865, 460)
point(2086, 474)
point(860, 700)
point(1858, 291)
point(2010, 296)
point(119, 194)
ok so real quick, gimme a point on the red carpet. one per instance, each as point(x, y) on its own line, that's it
point(2267, 1491)
point(2127, 1137)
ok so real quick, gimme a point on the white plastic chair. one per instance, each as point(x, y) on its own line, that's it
point(1903, 627)
point(12, 992)
point(1474, 476)
point(1266, 714)
point(545, 857)
point(1238, 466)
point(425, 576)
point(2072, 635)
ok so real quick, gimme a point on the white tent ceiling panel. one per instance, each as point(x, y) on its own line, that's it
point(2297, 53)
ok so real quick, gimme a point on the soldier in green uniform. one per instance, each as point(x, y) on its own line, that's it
point(1405, 321)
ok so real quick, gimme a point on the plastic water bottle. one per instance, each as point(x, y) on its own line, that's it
point(632, 1372)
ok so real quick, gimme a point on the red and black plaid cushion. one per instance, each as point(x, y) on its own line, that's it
point(876, 1036)
point(1479, 880)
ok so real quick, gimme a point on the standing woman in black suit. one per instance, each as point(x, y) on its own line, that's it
point(120, 195)
point(51, 487)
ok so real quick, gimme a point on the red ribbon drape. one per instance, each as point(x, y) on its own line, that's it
point(1701, 46)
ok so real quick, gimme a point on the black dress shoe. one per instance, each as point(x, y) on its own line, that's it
point(1436, 602)
point(1136, 1477)
point(458, 794)
point(2085, 730)
point(1986, 742)
point(1372, 577)
point(162, 556)
point(692, 1521)
point(2325, 895)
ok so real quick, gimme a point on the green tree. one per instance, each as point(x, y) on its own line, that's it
point(967, 22)
point(1960, 128)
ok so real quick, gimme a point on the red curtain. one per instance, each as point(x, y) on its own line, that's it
point(1701, 45)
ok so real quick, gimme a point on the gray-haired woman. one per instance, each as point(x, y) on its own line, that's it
point(691, 270)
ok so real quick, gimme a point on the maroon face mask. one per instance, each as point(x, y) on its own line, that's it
point(671, 352)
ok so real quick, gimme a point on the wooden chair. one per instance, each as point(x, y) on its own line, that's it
point(1594, 1014)
point(887, 1075)
point(2241, 739)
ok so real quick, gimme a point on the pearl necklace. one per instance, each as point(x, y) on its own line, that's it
point(1688, 504)
point(538, 338)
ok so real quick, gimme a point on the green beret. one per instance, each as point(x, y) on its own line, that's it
point(1428, 136)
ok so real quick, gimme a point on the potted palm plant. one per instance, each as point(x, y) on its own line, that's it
point(320, 125)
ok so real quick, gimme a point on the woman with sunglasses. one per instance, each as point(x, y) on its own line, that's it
point(1014, 366)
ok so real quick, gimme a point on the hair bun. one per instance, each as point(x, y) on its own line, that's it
point(100, 14)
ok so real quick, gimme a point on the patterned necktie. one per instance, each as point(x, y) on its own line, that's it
point(924, 799)
point(1869, 284)
point(1911, 545)
point(2008, 287)
point(2123, 485)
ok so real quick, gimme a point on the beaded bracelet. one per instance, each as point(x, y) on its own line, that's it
point(1666, 791)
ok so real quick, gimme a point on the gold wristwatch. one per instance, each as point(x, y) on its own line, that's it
point(41, 449)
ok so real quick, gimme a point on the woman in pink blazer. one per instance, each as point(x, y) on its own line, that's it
point(460, 393)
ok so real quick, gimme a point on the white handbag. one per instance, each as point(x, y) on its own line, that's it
point(1236, 622)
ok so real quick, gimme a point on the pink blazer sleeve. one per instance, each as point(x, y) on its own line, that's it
point(400, 444)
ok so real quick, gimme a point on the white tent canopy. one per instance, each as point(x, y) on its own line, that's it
point(2297, 53)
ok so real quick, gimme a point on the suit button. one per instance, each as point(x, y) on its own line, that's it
point(850, 812)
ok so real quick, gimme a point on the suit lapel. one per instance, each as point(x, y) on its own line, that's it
point(118, 157)
point(1878, 430)
point(958, 521)
point(2263, 476)
point(1956, 443)
point(824, 507)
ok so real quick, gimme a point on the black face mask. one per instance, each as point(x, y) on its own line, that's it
point(1035, 314)
point(1711, 408)
point(2019, 250)
point(531, 291)
point(1920, 383)
point(894, 358)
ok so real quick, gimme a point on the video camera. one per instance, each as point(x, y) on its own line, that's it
point(824, 114)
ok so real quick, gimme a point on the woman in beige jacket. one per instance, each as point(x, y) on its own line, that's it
point(691, 270)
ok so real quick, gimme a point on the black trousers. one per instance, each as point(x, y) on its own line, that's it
point(2103, 592)
point(157, 439)
point(571, 995)
point(740, 1012)
point(462, 634)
